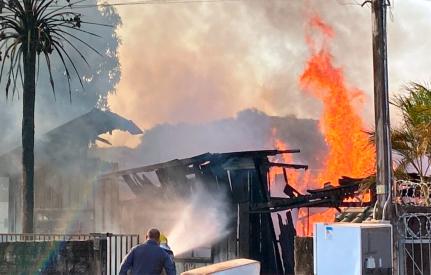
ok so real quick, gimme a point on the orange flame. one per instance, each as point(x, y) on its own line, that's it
point(298, 179)
point(307, 217)
point(349, 152)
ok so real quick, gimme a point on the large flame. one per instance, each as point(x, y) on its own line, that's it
point(349, 152)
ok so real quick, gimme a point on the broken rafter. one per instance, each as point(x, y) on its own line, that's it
point(327, 197)
point(289, 165)
point(203, 158)
point(288, 189)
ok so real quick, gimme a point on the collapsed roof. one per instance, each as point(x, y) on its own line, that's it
point(140, 179)
point(244, 177)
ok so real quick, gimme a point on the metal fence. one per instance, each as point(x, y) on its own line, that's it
point(118, 245)
point(413, 192)
point(12, 237)
point(113, 247)
point(415, 244)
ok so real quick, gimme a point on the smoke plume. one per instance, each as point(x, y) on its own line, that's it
point(248, 130)
point(197, 62)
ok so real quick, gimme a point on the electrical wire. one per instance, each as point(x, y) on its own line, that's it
point(152, 2)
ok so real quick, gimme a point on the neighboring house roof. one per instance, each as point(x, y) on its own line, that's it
point(71, 137)
point(355, 215)
point(92, 124)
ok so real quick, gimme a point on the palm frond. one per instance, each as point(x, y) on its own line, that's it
point(46, 28)
point(412, 140)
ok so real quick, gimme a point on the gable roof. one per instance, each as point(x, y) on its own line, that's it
point(93, 124)
point(74, 135)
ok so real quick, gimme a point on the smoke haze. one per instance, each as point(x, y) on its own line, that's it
point(248, 130)
point(199, 62)
point(196, 62)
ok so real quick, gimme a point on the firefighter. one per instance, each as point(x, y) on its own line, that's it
point(164, 245)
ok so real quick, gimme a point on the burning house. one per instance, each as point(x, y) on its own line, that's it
point(64, 175)
point(214, 206)
point(242, 181)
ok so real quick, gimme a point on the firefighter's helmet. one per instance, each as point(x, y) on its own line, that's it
point(163, 239)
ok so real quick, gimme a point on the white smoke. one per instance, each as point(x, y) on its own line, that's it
point(207, 61)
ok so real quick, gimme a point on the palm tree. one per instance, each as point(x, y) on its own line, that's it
point(32, 30)
point(411, 141)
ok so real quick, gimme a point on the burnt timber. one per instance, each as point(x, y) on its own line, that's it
point(244, 177)
point(330, 196)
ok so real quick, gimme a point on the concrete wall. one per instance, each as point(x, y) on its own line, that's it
point(304, 256)
point(54, 257)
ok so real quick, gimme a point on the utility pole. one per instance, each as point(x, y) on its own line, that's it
point(381, 110)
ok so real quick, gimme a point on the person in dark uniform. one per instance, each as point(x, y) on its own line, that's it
point(148, 258)
point(166, 247)
point(164, 244)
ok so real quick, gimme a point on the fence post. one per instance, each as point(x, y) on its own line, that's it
point(99, 253)
point(401, 257)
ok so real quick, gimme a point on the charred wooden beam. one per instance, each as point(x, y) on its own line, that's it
point(286, 241)
point(291, 205)
point(259, 153)
point(288, 189)
point(326, 197)
point(289, 165)
point(203, 158)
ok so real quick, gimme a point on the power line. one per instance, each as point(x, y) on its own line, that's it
point(151, 2)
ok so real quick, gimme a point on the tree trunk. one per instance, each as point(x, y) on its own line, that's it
point(29, 90)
